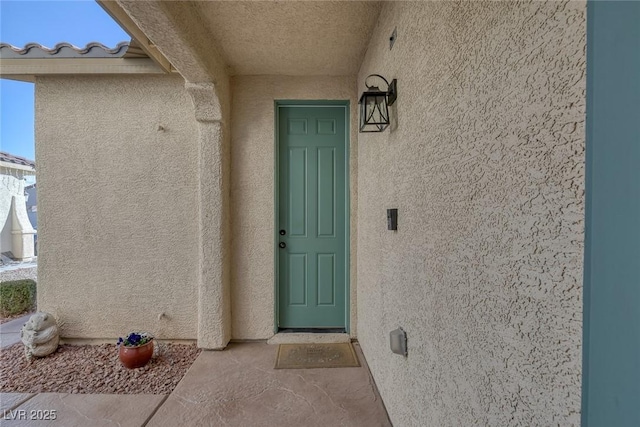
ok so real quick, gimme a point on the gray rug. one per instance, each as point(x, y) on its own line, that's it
point(306, 356)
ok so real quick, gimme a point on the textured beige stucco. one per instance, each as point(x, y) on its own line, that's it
point(252, 191)
point(180, 35)
point(177, 31)
point(290, 37)
point(485, 165)
point(214, 293)
point(117, 187)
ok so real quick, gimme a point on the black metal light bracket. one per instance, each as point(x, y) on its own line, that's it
point(392, 92)
point(374, 103)
point(392, 88)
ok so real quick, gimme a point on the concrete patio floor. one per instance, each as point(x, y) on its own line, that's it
point(10, 331)
point(235, 387)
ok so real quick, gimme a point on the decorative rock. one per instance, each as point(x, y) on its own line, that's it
point(40, 335)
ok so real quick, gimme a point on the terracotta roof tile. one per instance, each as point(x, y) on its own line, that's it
point(66, 50)
point(10, 158)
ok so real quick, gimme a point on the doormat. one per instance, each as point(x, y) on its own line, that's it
point(307, 356)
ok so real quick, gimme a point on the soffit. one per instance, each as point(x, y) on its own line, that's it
point(291, 37)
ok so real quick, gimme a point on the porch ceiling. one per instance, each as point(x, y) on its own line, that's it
point(291, 37)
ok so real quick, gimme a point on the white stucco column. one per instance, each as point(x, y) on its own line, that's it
point(22, 231)
point(214, 303)
point(17, 231)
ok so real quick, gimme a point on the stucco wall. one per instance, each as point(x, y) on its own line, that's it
point(117, 188)
point(485, 165)
point(252, 191)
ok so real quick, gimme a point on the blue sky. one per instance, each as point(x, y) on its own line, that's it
point(46, 22)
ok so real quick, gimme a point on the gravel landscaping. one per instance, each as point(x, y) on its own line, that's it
point(9, 274)
point(93, 369)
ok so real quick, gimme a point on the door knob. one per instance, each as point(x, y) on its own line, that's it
point(282, 245)
point(283, 232)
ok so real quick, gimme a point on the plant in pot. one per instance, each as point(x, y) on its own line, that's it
point(135, 350)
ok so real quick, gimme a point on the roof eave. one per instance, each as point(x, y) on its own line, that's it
point(26, 69)
point(8, 165)
point(120, 16)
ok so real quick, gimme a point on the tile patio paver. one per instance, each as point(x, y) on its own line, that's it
point(81, 410)
point(11, 400)
point(10, 331)
point(240, 387)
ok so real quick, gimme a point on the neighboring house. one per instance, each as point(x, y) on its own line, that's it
point(31, 197)
point(17, 232)
point(222, 191)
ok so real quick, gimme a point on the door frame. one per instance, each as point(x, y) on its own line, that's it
point(347, 214)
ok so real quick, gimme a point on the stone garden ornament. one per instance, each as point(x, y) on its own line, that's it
point(40, 335)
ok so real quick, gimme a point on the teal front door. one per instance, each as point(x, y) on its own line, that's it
point(311, 239)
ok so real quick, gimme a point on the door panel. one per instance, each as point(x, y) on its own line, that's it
point(297, 279)
point(297, 218)
point(326, 276)
point(611, 346)
point(312, 278)
point(326, 192)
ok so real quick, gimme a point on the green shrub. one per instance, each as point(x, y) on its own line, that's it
point(18, 296)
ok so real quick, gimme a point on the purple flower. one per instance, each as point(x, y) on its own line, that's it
point(134, 339)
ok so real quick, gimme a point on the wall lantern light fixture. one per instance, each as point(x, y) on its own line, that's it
point(374, 103)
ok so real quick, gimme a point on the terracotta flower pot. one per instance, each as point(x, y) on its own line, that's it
point(136, 357)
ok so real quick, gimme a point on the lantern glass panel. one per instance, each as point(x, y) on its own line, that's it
point(374, 114)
